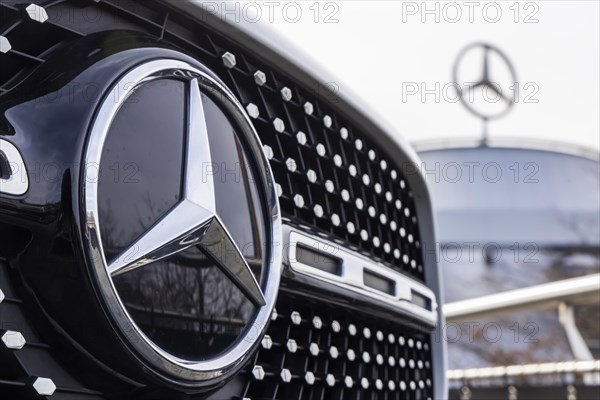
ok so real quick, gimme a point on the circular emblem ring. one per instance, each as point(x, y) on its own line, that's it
point(196, 211)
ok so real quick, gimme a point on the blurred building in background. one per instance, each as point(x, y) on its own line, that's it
point(511, 215)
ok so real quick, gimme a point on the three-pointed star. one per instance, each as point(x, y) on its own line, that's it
point(194, 220)
point(485, 77)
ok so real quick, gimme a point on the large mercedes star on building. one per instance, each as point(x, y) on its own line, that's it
point(185, 214)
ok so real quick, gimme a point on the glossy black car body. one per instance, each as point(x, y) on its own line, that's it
point(52, 80)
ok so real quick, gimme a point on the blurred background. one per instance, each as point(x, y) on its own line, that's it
point(516, 197)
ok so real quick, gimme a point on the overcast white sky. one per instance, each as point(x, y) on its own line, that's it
point(383, 49)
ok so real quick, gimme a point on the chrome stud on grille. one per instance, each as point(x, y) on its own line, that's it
point(366, 357)
point(308, 108)
point(301, 137)
point(258, 372)
point(43, 386)
point(311, 175)
point(260, 78)
point(393, 226)
point(1, 296)
point(330, 380)
point(278, 125)
point(379, 336)
point(352, 330)
point(394, 174)
point(344, 133)
point(228, 60)
point(337, 160)
point(274, 315)
point(387, 248)
point(268, 151)
point(391, 361)
point(345, 195)
point(349, 382)
point(252, 110)
point(378, 188)
point(296, 318)
point(391, 338)
point(383, 165)
point(383, 219)
point(321, 150)
point(286, 94)
point(267, 342)
point(317, 322)
point(299, 201)
point(350, 228)
point(327, 121)
point(388, 197)
point(37, 13)
point(359, 203)
point(278, 189)
point(290, 163)
point(351, 355)
point(335, 326)
point(402, 386)
point(379, 384)
point(367, 333)
point(358, 144)
point(333, 352)
point(352, 170)
point(286, 375)
point(318, 210)
point(364, 383)
point(364, 235)
point(12, 339)
point(335, 219)
point(366, 179)
point(379, 359)
point(309, 377)
point(314, 349)
point(292, 346)
point(329, 186)
point(376, 242)
point(4, 45)
point(392, 385)
point(372, 212)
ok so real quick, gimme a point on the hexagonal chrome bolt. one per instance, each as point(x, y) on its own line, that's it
point(321, 150)
point(317, 322)
point(279, 125)
point(296, 318)
point(366, 357)
point(286, 375)
point(4, 45)
point(43, 386)
point(258, 372)
point(274, 315)
point(228, 60)
point(314, 349)
point(350, 355)
point(252, 110)
point(291, 164)
point(292, 346)
point(37, 13)
point(286, 94)
point(309, 377)
point(364, 383)
point(279, 192)
point(329, 186)
point(260, 78)
point(330, 380)
point(1, 296)
point(327, 121)
point(299, 201)
point(335, 326)
point(12, 339)
point(268, 151)
point(318, 210)
point(358, 144)
point(308, 108)
point(333, 352)
point(311, 175)
point(267, 342)
point(337, 160)
point(349, 382)
point(344, 133)
point(301, 137)
point(335, 219)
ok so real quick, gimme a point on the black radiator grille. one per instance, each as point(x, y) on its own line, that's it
point(330, 175)
point(317, 352)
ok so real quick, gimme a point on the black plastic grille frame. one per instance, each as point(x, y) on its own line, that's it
point(318, 352)
point(330, 176)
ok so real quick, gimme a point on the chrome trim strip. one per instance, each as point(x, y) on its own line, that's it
point(18, 183)
point(351, 275)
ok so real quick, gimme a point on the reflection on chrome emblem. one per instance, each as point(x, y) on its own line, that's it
point(192, 226)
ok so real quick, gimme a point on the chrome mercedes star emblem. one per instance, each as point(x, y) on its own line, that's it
point(194, 221)
point(501, 90)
